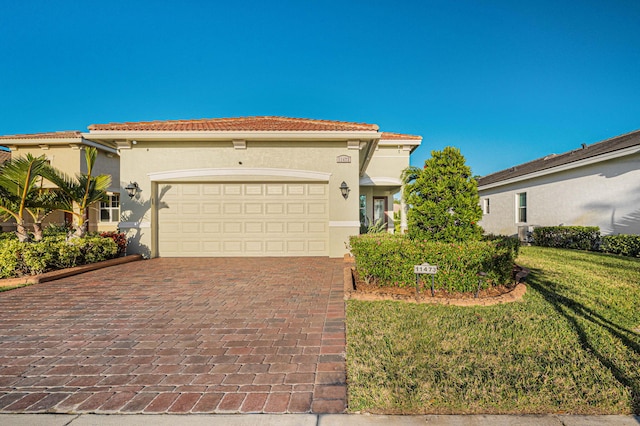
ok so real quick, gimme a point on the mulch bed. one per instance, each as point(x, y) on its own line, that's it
point(356, 288)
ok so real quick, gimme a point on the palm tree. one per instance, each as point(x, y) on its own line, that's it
point(79, 193)
point(18, 188)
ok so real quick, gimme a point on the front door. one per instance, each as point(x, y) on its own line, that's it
point(379, 210)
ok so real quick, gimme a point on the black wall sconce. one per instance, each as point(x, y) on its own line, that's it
point(132, 189)
point(344, 189)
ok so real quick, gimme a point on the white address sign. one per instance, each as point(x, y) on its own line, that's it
point(425, 268)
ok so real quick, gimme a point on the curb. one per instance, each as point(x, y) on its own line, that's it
point(63, 273)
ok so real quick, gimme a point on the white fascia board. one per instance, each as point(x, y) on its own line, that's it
point(564, 167)
point(396, 142)
point(230, 135)
point(40, 141)
point(281, 173)
point(58, 142)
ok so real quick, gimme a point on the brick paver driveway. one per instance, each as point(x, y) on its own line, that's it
point(178, 335)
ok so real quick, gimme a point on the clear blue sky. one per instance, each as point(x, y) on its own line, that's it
point(505, 81)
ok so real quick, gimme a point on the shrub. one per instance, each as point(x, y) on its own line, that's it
point(443, 199)
point(38, 257)
point(119, 238)
point(29, 258)
point(57, 230)
point(387, 260)
point(625, 245)
point(570, 237)
point(10, 258)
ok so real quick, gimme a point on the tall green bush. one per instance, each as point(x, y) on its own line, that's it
point(443, 199)
point(387, 261)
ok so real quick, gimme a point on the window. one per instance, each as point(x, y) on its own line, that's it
point(485, 206)
point(521, 207)
point(364, 220)
point(379, 210)
point(110, 209)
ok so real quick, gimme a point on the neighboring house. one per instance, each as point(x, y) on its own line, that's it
point(64, 151)
point(4, 156)
point(253, 186)
point(595, 185)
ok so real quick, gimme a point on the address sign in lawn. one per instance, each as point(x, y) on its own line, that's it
point(425, 269)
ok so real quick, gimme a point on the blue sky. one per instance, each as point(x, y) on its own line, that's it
point(504, 81)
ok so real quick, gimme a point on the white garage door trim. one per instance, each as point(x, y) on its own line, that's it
point(285, 218)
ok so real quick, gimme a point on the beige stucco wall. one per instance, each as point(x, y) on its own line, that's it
point(388, 161)
point(606, 194)
point(147, 157)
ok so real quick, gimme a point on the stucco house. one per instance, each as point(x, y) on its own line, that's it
point(63, 150)
point(252, 186)
point(594, 185)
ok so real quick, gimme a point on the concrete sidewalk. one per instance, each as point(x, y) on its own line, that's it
point(312, 420)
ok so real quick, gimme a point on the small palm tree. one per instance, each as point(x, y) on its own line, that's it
point(79, 193)
point(18, 190)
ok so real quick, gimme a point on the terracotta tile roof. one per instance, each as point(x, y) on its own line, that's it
point(50, 135)
point(4, 156)
point(554, 160)
point(399, 136)
point(264, 123)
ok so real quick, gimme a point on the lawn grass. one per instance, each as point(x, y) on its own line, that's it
point(572, 345)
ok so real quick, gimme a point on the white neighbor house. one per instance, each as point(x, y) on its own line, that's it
point(594, 185)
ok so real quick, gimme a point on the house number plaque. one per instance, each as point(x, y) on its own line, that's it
point(343, 159)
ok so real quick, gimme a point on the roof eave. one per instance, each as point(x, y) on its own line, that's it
point(208, 135)
point(563, 167)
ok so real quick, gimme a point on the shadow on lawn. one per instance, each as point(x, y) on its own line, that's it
point(575, 312)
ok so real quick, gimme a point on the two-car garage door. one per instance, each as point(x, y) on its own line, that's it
point(243, 219)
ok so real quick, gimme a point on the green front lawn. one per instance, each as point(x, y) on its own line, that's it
point(571, 346)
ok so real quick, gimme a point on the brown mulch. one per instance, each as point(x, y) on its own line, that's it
point(356, 288)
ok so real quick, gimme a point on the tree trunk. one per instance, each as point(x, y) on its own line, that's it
point(37, 231)
point(22, 233)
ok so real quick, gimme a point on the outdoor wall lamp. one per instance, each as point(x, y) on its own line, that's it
point(132, 189)
point(344, 189)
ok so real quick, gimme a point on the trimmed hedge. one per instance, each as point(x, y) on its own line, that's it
point(52, 253)
point(625, 245)
point(387, 260)
point(570, 237)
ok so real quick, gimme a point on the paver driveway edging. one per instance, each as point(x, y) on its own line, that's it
point(232, 335)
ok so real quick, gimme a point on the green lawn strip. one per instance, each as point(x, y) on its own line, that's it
point(561, 350)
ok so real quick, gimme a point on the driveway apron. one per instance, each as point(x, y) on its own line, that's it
point(196, 335)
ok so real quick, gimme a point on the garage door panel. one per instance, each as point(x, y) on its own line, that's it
point(235, 219)
point(254, 208)
point(295, 208)
point(275, 227)
point(254, 228)
point(234, 208)
point(274, 208)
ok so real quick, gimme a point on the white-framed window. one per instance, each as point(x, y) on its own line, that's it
point(521, 207)
point(110, 209)
point(485, 206)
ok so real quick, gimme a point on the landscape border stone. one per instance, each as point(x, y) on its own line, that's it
point(63, 273)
